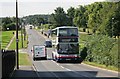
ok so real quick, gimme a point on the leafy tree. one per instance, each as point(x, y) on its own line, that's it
point(71, 13)
point(11, 26)
point(80, 18)
point(5, 22)
point(59, 18)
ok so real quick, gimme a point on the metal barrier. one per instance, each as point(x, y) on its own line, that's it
point(8, 62)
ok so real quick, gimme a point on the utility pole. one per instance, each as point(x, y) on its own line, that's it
point(24, 29)
point(17, 54)
point(22, 36)
point(24, 33)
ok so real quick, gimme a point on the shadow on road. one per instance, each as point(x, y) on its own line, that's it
point(29, 74)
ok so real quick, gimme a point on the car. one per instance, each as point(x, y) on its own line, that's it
point(48, 43)
point(39, 52)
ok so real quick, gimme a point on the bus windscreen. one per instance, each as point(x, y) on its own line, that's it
point(68, 49)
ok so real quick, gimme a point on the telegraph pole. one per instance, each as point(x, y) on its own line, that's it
point(17, 54)
point(22, 36)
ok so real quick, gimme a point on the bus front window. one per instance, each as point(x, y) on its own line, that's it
point(68, 48)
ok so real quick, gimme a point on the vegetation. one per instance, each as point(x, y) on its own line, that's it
point(99, 50)
point(8, 23)
point(36, 20)
point(24, 59)
point(100, 16)
point(13, 44)
point(59, 18)
point(6, 37)
point(101, 66)
point(102, 51)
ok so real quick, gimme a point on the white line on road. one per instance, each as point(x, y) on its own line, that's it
point(68, 69)
point(61, 66)
point(34, 68)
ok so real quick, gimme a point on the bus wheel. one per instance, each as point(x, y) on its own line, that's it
point(45, 58)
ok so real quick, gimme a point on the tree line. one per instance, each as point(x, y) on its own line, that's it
point(36, 20)
point(9, 23)
point(101, 17)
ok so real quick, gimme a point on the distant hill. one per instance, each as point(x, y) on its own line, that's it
point(36, 19)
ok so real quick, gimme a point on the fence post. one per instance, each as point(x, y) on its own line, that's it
point(0, 64)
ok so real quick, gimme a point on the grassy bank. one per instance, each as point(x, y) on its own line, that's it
point(101, 66)
point(24, 59)
point(99, 57)
point(6, 37)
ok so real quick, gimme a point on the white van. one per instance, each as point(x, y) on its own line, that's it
point(39, 51)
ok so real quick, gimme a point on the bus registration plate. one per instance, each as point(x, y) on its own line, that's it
point(68, 59)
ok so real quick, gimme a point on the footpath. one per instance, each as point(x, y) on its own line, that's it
point(24, 71)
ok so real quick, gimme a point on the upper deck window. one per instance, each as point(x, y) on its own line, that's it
point(68, 32)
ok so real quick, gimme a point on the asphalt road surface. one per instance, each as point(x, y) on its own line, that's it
point(50, 69)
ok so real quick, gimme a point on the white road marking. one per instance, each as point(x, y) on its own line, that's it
point(62, 66)
point(68, 69)
point(35, 69)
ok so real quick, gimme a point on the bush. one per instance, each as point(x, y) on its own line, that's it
point(99, 50)
point(11, 26)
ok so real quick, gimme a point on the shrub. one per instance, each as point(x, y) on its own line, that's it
point(99, 50)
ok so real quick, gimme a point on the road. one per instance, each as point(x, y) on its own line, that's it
point(50, 69)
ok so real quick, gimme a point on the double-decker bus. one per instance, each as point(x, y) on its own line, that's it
point(66, 44)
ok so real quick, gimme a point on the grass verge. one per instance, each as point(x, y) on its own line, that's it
point(6, 37)
point(13, 44)
point(101, 66)
point(24, 59)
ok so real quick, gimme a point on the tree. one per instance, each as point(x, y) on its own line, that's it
point(71, 13)
point(11, 26)
point(80, 17)
point(6, 21)
point(59, 18)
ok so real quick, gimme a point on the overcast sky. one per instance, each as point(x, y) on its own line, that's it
point(31, 7)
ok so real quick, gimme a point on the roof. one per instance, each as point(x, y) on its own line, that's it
point(64, 27)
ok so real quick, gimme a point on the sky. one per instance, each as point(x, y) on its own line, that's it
point(31, 7)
